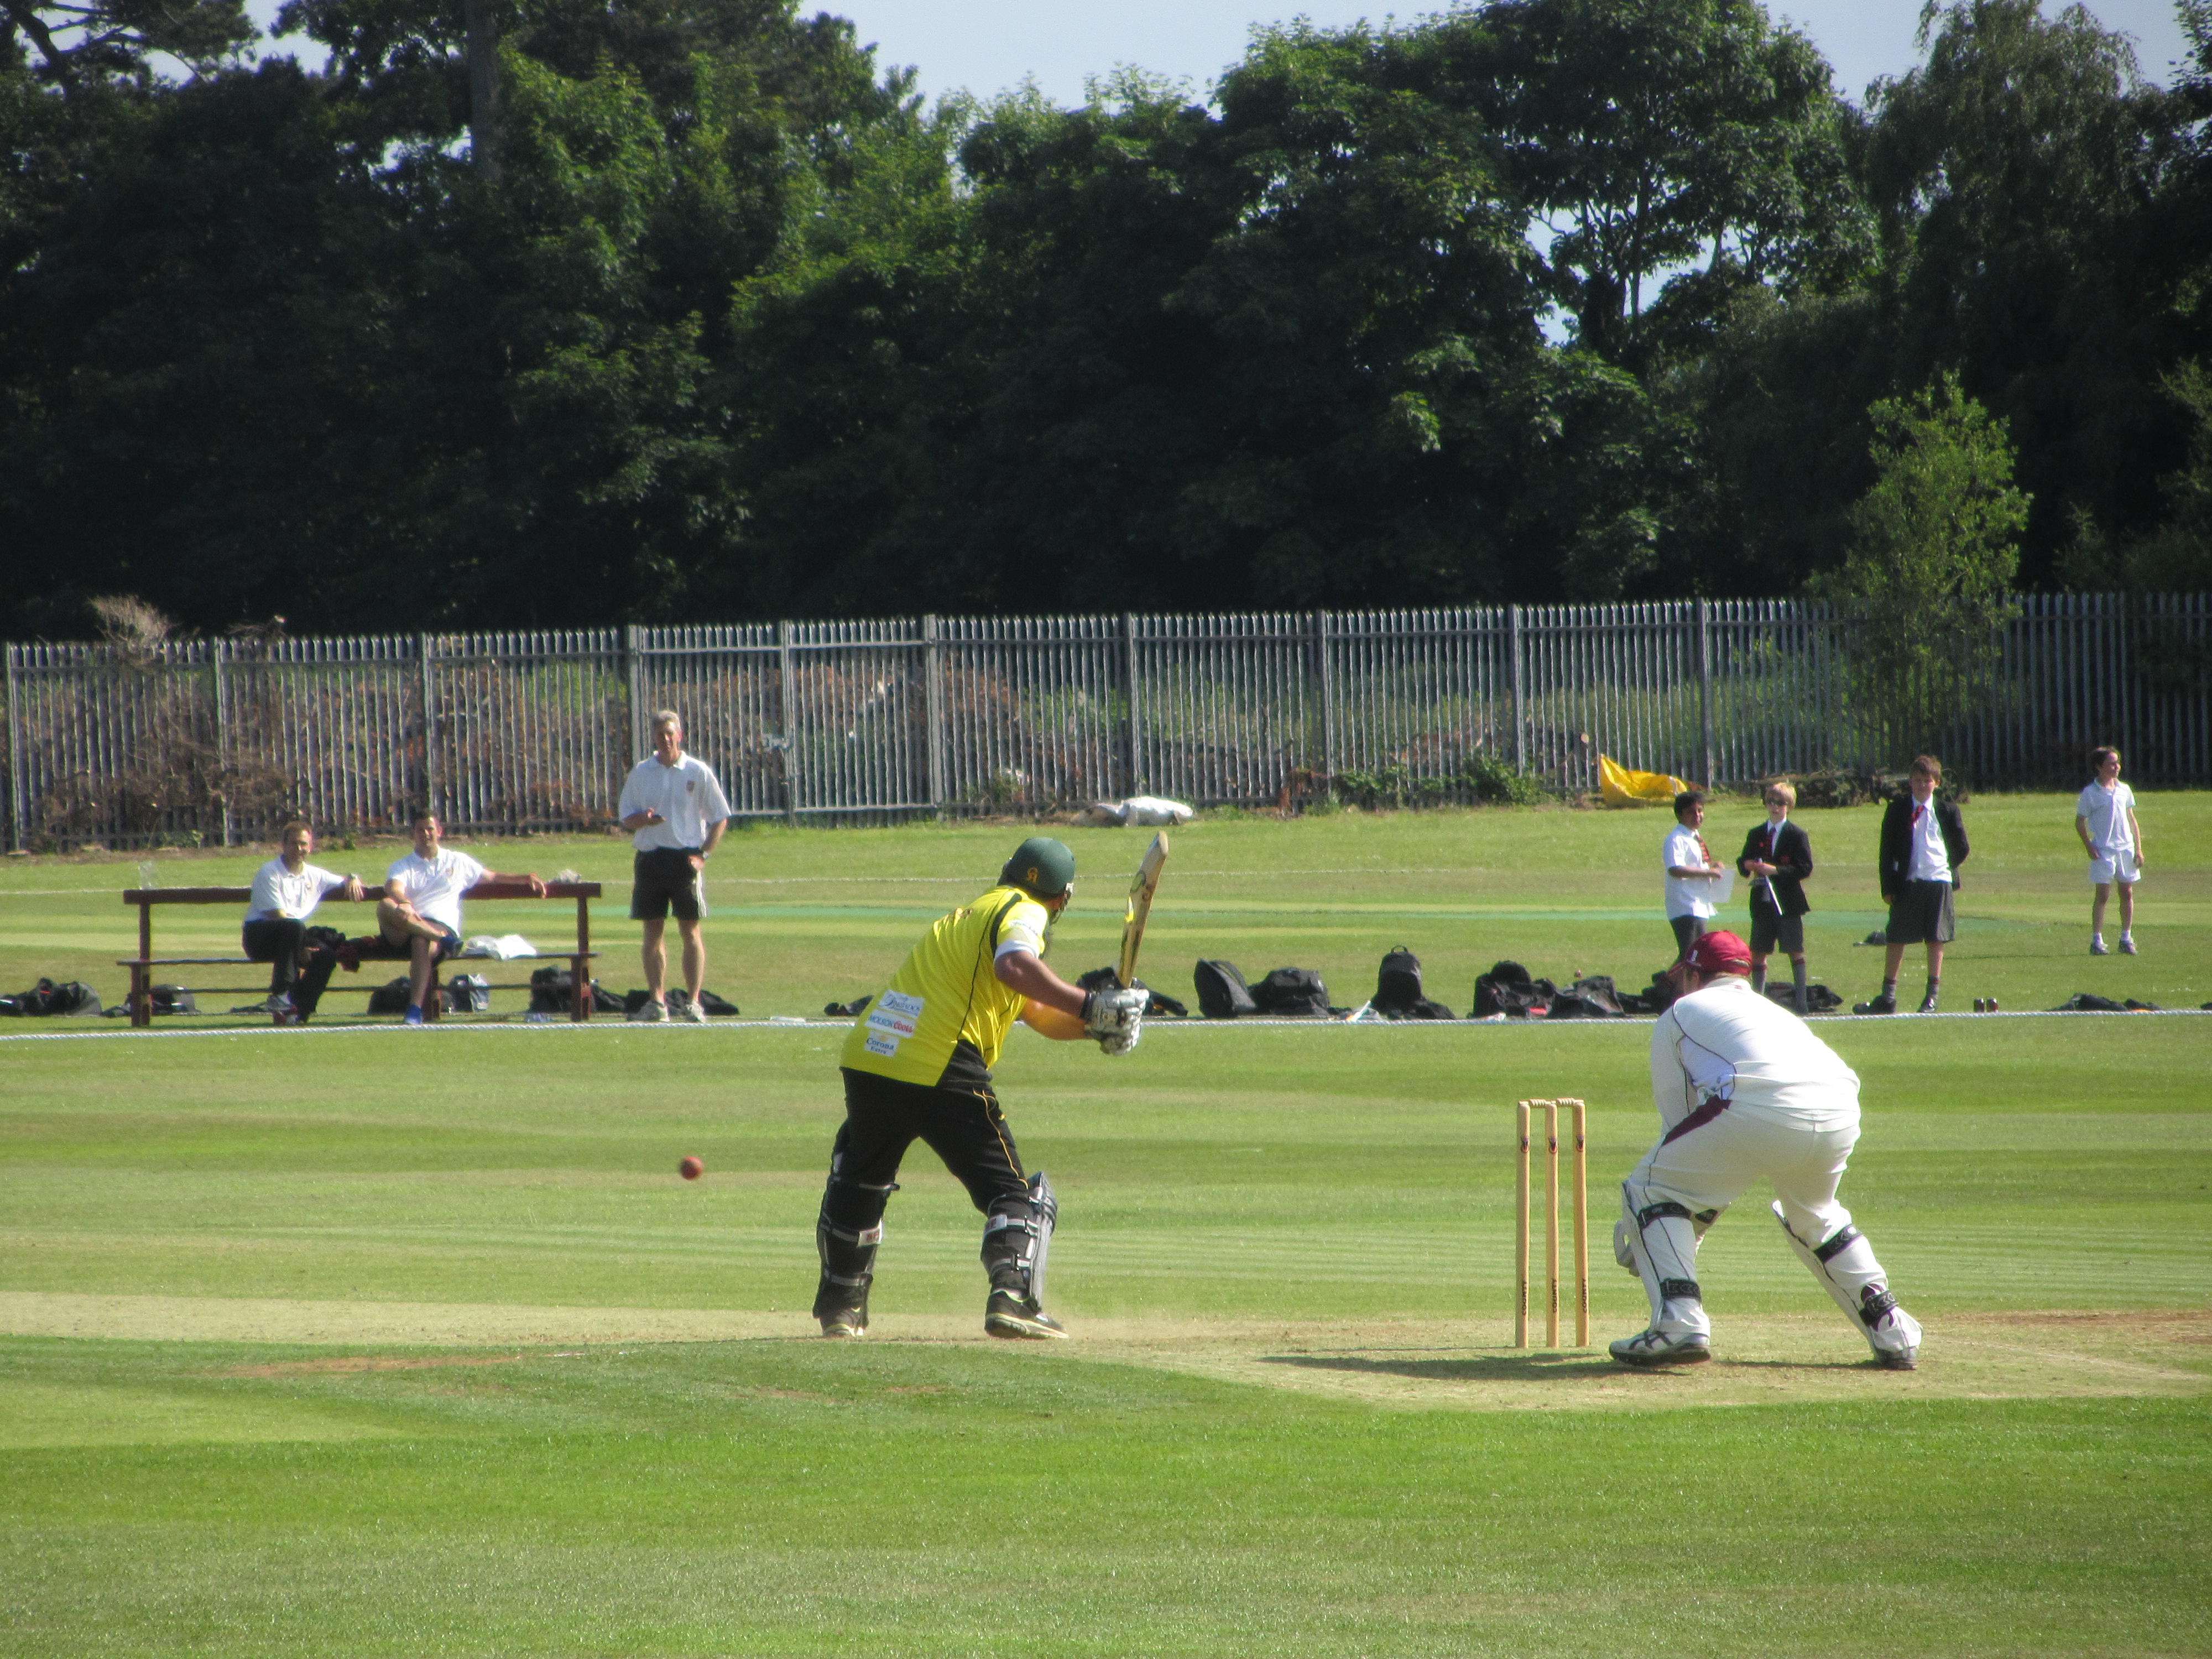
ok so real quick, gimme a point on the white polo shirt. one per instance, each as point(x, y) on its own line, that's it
point(435, 886)
point(2106, 811)
point(1930, 860)
point(1686, 896)
point(281, 896)
point(687, 795)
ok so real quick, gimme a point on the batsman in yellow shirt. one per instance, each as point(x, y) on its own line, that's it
point(917, 1065)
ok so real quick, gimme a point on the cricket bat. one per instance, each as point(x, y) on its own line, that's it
point(1141, 906)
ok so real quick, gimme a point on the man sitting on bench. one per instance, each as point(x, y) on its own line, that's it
point(286, 891)
point(420, 916)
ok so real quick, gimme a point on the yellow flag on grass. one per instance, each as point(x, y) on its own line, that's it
point(1621, 787)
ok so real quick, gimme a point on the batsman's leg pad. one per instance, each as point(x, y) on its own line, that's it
point(846, 1234)
point(1662, 1237)
point(1018, 1239)
point(1844, 1264)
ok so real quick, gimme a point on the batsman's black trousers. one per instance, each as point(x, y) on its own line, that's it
point(962, 1126)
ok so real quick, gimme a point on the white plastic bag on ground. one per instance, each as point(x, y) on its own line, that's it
point(1147, 811)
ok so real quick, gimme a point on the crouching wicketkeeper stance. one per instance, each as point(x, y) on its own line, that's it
point(918, 1065)
point(1746, 1090)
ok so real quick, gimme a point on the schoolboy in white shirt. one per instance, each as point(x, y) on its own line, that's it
point(1691, 869)
point(2104, 819)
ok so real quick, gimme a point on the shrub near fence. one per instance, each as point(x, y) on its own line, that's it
point(216, 741)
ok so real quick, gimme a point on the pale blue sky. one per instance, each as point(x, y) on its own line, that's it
point(986, 46)
point(989, 44)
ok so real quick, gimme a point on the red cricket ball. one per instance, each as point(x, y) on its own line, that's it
point(691, 1169)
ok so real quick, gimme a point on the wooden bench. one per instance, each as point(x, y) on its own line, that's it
point(142, 966)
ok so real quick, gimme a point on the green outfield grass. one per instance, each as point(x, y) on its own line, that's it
point(802, 916)
point(371, 1342)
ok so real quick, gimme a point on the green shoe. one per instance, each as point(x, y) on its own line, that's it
point(1009, 1315)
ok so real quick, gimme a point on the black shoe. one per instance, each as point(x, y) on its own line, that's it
point(1927, 1004)
point(1884, 1004)
point(845, 1322)
point(1009, 1315)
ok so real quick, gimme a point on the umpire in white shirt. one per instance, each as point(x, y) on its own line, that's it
point(1745, 1093)
point(674, 806)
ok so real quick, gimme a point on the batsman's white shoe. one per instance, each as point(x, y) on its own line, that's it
point(1662, 1348)
point(1009, 1315)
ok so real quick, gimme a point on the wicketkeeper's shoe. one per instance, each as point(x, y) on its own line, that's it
point(1009, 1315)
point(1662, 1348)
point(1884, 1004)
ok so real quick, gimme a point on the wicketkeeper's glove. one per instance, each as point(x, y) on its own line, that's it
point(1115, 1018)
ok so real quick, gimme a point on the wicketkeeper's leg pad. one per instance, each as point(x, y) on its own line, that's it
point(1844, 1264)
point(1661, 1235)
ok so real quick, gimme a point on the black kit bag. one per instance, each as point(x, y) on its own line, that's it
point(390, 998)
point(551, 990)
point(1819, 999)
point(1592, 997)
point(1222, 993)
point(69, 998)
point(1109, 978)
point(1507, 989)
point(468, 994)
point(1398, 989)
point(1293, 993)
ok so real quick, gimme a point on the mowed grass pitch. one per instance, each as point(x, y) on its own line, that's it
point(381, 1342)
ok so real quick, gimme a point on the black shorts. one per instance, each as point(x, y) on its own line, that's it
point(662, 880)
point(1770, 927)
point(1921, 913)
point(389, 950)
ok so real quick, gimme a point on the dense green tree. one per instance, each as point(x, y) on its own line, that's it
point(1286, 354)
point(80, 43)
point(2017, 176)
point(1649, 135)
point(1934, 551)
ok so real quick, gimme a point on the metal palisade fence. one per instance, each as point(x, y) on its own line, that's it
point(215, 742)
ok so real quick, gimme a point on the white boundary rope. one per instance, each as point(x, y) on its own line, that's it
point(794, 1022)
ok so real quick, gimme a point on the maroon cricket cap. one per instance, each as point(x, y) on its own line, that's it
point(1717, 953)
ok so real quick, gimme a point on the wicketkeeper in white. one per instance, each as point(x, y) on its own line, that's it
point(2104, 819)
point(1746, 1091)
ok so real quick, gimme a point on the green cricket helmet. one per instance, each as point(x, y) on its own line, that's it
point(1040, 867)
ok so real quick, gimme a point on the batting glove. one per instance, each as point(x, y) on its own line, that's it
point(1111, 1013)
